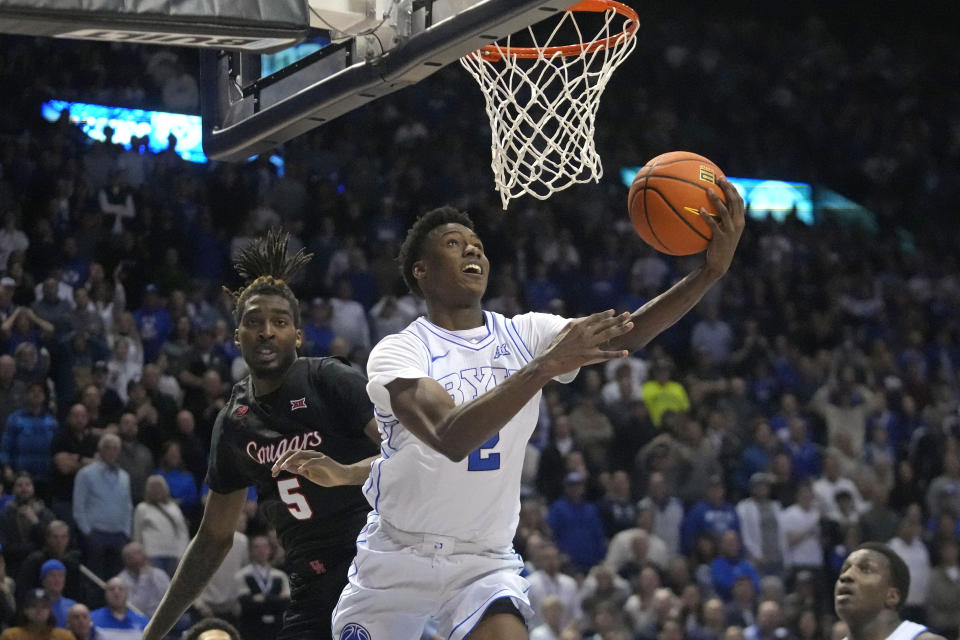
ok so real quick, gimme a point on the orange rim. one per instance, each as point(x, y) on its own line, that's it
point(493, 53)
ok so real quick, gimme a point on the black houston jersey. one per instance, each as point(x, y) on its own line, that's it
point(322, 405)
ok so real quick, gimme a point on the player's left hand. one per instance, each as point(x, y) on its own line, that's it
point(727, 226)
point(312, 465)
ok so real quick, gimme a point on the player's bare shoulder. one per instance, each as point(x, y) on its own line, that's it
point(929, 635)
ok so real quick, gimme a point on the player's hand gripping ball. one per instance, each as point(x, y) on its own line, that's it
point(668, 199)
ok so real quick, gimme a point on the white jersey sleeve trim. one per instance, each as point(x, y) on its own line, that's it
point(399, 355)
point(536, 331)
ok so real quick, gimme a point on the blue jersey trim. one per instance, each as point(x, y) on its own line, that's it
point(385, 443)
point(512, 328)
point(376, 501)
point(517, 344)
point(447, 336)
point(482, 607)
point(377, 464)
point(387, 422)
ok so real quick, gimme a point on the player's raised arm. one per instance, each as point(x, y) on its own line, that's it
point(662, 312)
point(427, 410)
point(200, 561)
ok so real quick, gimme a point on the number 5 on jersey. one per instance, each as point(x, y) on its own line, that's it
point(296, 502)
point(482, 459)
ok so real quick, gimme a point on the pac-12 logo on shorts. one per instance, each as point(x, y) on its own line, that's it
point(354, 631)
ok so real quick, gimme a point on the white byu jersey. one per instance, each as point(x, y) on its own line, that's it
point(417, 489)
point(906, 630)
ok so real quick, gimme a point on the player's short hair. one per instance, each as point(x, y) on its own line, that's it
point(899, 571)
point(413, 243)
point(210, 624)
point(265, 268)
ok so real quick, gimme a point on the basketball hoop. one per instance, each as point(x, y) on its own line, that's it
point(542, 100)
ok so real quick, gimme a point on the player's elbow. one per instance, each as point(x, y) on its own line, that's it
point(443, 437)
point(451, 449)
point(219, 545)
point(456, 456)
point(214, 539)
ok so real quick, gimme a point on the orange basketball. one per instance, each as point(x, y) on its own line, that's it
point(665, 201)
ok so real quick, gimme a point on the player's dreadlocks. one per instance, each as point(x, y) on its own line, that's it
point(265, 268)
point(413, 243)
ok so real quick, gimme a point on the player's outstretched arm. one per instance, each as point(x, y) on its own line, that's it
point(321, 469)
point(427, 410)
point(201, 560)
point(663, 311)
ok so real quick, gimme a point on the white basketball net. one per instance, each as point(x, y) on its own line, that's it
point(543, 109)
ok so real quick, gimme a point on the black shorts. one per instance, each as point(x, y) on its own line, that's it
point(315, 587)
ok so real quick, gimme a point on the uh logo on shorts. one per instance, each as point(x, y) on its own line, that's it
point(354, 631)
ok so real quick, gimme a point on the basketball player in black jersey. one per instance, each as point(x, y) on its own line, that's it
point(287, 403)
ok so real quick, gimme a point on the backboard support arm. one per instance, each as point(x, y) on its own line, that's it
point(244, 115)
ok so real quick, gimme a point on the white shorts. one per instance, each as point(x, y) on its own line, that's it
point(396, 586)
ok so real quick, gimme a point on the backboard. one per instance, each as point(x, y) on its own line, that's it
point(247, 24)
point(378, 47)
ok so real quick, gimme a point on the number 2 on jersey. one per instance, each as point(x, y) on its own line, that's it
point(482, 459)
point(296, 502)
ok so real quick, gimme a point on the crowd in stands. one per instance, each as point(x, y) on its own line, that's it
point(707, 488)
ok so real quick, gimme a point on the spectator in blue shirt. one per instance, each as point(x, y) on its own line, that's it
point(576, 524)
point(182, 483)
point(758, 456)
point(27, 436)
point(730, 565)
point(804, 455)
point(713, 515)
point(53, 577)
point(153, 323)
point(121, 621)
point(102, 508)
point(317, 334)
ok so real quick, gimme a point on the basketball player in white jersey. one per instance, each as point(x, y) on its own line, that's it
point(870, 593)
point(456, 396)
